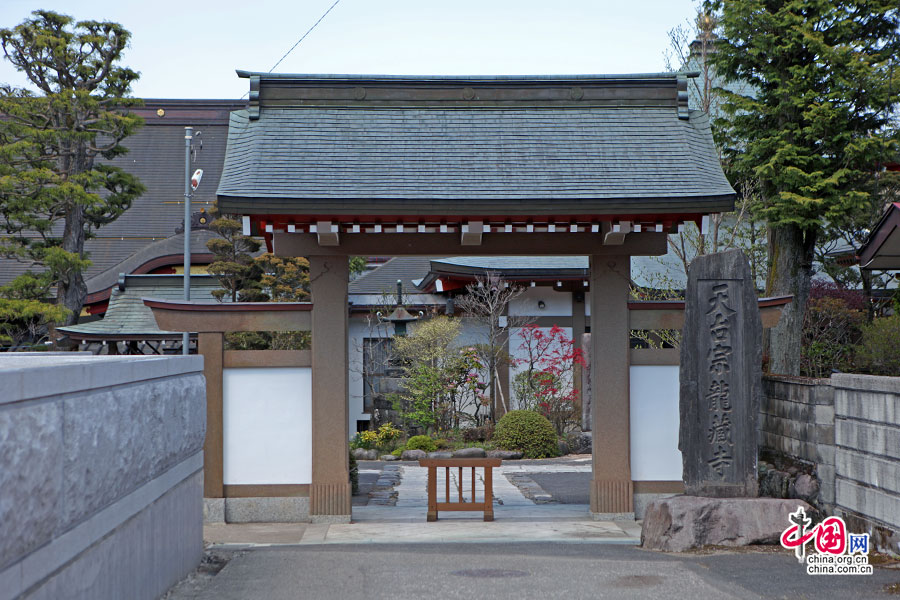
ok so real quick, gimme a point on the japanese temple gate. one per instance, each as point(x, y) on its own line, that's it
point(328, 167)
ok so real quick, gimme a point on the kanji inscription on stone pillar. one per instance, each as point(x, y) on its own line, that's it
point(721, 355)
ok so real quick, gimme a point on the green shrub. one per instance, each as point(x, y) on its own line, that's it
point(830, 329)
point(354, 475)
point(398, 451)
point(365, 439)
point(421, 442)
point(442, 444)
point(387, 433)
point(878, 352)
point(527, 431)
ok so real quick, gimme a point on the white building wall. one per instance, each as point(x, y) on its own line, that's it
point(556, 304)
point(654, 423)
point(267, 415)
point(359, 329)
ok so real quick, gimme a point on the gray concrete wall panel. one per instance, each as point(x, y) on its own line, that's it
point(100, 475)
point(849, 426)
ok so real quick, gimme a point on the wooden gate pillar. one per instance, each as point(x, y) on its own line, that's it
point(611, 486)
point(330, 493)
point(211, 346)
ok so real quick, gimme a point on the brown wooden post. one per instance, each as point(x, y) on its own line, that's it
point(432, 493)
point(211, 346)
point(330, 494)
point(611, 486)
point(488, 493)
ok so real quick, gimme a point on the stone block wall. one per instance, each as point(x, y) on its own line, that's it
point(867, 452)
point(101, 483)
point(797, 420)
point(848, 428)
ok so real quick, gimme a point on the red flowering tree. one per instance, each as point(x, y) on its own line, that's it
point(546, 384)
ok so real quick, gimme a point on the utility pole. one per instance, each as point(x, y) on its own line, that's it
point(188, 136)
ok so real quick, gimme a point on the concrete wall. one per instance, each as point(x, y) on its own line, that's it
point(101, 484)
point(867, 452)
point(848, 426)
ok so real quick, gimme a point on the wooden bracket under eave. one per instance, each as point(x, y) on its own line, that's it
point(471, 233)
point(327, 233)
point(617, 232)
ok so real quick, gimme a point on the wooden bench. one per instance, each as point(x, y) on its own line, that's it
point(487, 503)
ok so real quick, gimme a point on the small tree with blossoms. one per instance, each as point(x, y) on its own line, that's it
point(546, 384)
point(440, 387)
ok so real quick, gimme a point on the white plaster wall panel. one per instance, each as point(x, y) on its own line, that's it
point(654, 423)
point(267, 425)
point(556, 304)
point(472, 332)
point(517, 353)
point(358, 329)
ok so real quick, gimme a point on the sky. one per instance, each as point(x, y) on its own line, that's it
point(190, 49)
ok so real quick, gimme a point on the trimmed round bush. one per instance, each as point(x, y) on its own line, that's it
point(527, 431)
point(421, 442)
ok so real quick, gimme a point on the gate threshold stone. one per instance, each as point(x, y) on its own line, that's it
point(681, 523)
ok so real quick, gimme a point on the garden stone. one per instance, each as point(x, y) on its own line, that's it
point(504, 454)
point(440, 455)
point(806, 488)
point(469, 453)
point(363, 454)
point(580, 442)
point(563, 447)
point(389, 457)
point(413, 455)
point(680, 523)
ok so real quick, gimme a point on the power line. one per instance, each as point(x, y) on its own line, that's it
point(304, 35)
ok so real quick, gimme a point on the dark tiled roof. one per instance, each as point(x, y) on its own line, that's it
point(127, 317)
point(600, 157)
point(156, 156)
point(169, 250)
point(621, 156)
point(384, 279)
point(646, 271)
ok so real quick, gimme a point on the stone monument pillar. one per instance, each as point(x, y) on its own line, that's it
point(721, 386)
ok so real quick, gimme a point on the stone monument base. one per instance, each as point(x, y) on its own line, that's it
point(680, 523)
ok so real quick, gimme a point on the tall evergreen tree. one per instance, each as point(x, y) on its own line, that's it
point(54, 192)
point(826, 77)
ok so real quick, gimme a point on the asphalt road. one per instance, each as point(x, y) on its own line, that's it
point(524, 571)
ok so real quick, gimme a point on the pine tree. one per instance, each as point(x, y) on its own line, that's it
point(816, 129)
point(54, 191)
point(233, 263)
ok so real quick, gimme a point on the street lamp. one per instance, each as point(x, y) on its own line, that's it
point(191, 183)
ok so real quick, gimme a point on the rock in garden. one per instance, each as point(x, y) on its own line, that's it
point(469, 453)
point(363, 454)
point(504, 454)
point(580, 442)
point(563, 447)
point(805, 487)
point(413, 455)
point(683, 522)
point(441, 454)
point(389, 457)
